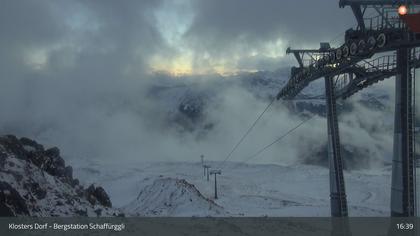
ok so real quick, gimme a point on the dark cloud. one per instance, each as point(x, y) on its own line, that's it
point(126, 32)
point(91, 38)
point(220, 25)
point(31, 23)
point(72, 73)
point(24, 27)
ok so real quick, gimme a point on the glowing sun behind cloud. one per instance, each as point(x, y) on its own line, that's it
point(177, 66)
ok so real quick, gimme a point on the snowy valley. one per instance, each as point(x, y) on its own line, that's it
point(250, 190)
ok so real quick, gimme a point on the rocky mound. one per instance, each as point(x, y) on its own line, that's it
point(172, 197)
point(36, 182)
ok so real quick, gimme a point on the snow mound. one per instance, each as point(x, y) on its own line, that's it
point(172, 197)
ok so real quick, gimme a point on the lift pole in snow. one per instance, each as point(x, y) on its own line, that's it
point(202, 164)
point(215, 173)
point(206, 171)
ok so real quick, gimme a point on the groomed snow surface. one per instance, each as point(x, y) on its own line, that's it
point(180, 189)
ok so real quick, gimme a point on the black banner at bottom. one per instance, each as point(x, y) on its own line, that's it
point(265, 226)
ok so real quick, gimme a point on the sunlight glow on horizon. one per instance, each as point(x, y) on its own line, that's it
point(181, 67)
point(187, 61)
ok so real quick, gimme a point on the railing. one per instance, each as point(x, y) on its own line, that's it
point(380, 23)
point(388, 18)
point(384, 63)
point(373, 70)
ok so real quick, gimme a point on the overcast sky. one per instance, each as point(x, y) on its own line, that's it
point(131, 37)
point(76, 74)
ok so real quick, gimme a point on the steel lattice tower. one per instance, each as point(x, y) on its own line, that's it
point(356, 65)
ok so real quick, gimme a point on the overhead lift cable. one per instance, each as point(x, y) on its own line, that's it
point(247, 132)
point(275, 141)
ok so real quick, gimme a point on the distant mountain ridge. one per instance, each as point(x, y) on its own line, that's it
point(190, 98)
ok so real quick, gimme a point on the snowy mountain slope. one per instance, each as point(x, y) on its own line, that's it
point(185, 99)
point(251, 190)
point(199, 110)
point(264, 84)
point(36, 182)
point(172, 197)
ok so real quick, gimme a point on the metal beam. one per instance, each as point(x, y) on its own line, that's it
point(289, 50)
point(403, 163)
point(298, 58)
point(300, 53)
point(357, 12)
point(337, 187)
point(344, 3)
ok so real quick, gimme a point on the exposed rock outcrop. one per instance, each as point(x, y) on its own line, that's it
point(98, 195)
point(35, 181)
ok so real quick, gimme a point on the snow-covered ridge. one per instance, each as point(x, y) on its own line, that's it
point(172, 197)
point(36, 182)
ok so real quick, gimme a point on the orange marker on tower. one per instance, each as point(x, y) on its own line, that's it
point(402, 10)
point(412, 20)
